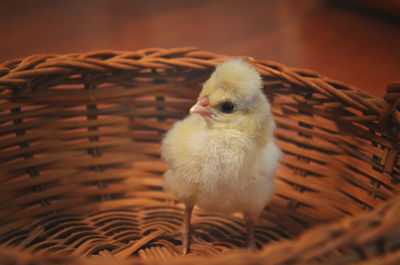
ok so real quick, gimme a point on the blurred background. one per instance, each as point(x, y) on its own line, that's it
point(354, 41)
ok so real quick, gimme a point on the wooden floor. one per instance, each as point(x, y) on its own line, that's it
point(345, 43)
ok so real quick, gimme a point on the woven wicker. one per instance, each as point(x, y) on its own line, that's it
point(81, 171)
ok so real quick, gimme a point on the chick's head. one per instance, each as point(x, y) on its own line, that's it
point(232, 98)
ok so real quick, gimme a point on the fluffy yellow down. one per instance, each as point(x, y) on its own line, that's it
point(225, 163)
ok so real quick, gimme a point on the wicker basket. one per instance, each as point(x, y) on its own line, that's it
point(81, 171)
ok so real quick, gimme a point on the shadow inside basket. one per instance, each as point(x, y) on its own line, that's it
point(82, 172)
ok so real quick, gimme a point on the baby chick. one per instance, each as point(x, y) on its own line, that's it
point(222, 157)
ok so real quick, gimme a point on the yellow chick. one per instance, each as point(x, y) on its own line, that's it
point(222, 156)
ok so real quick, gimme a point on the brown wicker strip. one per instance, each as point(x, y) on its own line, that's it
point(80, 169)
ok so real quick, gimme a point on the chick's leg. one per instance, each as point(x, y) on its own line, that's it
point(186, 229)
point(249, 219)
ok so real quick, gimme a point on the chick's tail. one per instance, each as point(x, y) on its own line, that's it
point(270, 156)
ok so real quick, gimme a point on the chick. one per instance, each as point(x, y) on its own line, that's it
point(222, 156)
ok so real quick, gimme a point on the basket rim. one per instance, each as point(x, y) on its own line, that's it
point(21, 72)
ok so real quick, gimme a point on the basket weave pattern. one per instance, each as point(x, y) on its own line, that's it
point(81, 172)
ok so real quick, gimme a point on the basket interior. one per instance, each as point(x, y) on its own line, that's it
point(80, 148)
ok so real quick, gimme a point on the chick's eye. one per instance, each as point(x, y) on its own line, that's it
point(227, 107)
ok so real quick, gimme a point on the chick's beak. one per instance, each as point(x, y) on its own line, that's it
point(202, 107)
